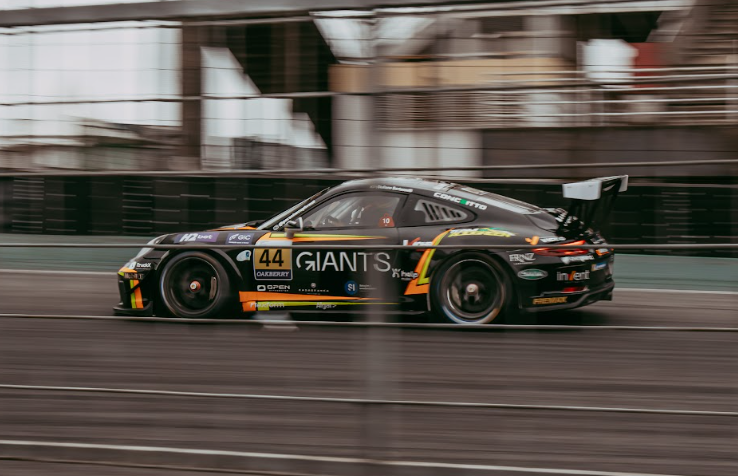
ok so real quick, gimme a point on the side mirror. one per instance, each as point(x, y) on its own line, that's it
point(292, 227)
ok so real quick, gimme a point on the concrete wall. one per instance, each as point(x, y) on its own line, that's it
point(588, 145)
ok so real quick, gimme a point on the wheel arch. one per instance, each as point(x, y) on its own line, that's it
point(219, 255)
point(496, 255)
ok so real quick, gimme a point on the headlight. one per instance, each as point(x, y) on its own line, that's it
point(145, 251)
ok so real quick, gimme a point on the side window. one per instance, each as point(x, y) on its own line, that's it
point(355, 210)
point(422, 211)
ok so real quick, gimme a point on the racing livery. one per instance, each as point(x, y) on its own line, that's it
point(275, 265)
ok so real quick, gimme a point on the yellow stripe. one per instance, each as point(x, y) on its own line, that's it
point(133, 296)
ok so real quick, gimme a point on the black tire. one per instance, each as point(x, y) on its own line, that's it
point(471, 288)
point(195, 285)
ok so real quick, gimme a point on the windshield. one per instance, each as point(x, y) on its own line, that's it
point(278, 220)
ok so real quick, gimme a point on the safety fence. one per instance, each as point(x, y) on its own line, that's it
point(369, 86)
point(151, 204)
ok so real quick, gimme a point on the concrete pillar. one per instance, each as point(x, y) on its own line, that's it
point(193, 37)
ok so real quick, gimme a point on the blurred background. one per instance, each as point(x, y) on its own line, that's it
point(121, 120)
point(143, 118)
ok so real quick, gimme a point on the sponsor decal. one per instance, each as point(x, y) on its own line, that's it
point(417, 242)
point(130, 265)
point(603, 251)
point(351, 288)
point(276, 288)
point(143, 265)
point(421, 284)
point(460, 201)
point(343, 261)
point(324, 305)
point(197, 237)
point(599, 266)
point(366, 287)
point(245, 255)
point(522, 258)
point(576, 259)
point(404, 275)
point(268, 306)
point(481, 232)
point(273, 263)
point(546, 239)
point(293, 215)
point(386, 221)
point(313, 289)
point(572, 276)
point(392, 188)
point(552, 239)
point(532, 274)
point(550, 300)
point(133, 275)
point(239, 238)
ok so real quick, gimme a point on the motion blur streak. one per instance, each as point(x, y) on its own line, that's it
point(624, 369)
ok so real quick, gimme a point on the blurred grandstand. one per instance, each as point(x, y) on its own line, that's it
point(168, 86)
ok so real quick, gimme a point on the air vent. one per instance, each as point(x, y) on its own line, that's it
point(436, 213)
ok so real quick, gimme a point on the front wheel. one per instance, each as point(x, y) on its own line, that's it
point(470, 289)
point(195, 285)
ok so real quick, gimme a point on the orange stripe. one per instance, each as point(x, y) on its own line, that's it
point(269, 296)
point(230, 228)
point(137, 293)
point(298, 239)
point(421, 284)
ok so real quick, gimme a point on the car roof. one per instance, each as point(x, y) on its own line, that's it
point(430, 187)
point(414, 183)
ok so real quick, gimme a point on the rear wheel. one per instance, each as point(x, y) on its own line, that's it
point(470, 289)
point(195, 285)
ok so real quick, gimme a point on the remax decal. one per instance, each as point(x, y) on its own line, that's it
point(550, 300)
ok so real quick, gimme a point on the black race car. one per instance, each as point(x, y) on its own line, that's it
point(270, 265)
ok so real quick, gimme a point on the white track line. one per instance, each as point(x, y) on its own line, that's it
point(57, 271)
point(418, 403)
point(681, 291)
point(323, 459)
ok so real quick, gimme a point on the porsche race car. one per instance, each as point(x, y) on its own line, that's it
point(274, 264)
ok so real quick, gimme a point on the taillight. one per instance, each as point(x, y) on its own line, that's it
point(563, 251)
point(574, 289)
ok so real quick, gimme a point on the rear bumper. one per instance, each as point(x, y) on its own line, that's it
point(558, 301)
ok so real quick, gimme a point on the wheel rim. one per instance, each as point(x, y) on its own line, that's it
point(471, 292)
point(192, 285)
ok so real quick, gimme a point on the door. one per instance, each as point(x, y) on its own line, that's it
point(290, 274)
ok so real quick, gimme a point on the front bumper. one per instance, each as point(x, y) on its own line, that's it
point(135, 295)
point(147, 311)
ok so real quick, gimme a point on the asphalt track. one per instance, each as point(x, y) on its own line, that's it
point(595, 368)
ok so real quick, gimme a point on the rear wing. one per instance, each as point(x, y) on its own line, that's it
point(591, 203)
